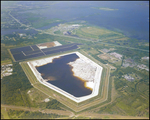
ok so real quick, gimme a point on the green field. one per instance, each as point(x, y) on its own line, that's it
point(4, 114)
point(21, 114)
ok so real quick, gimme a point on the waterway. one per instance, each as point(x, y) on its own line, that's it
point(11, 31)
point(130, 17)
point(60, 74)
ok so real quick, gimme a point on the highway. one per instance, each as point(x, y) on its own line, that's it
point(99, 41)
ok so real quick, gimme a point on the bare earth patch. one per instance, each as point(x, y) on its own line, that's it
point(104, 56)
point(48, 44)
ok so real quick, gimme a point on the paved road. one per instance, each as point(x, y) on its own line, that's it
point(99, 41)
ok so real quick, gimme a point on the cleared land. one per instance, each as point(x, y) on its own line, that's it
point(104, 56)
point(110, 57)
point(48, 45)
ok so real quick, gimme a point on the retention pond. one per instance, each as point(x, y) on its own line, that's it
point(60, 74)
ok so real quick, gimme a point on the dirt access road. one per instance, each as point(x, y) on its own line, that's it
point(71, 114)
point(108, 116)
point(60, 112)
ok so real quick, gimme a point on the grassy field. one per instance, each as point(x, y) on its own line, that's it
point(37, 95)
point(106, 116)
point(29, 73)
point(9, 111)
point(11, 56)
point(4, 62)
point(18, 112)
point(90, 32)
point(4, 114)
point(92, 51)
point(95, 31)
point(127, 103)
point(98, 33)
point(143, 89)
point(114, 95)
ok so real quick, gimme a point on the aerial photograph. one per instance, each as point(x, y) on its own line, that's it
point(74, 59)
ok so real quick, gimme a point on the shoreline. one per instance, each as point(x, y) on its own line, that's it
point(95, 85)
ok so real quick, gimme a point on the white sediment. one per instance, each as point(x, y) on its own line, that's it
point(89, 84)
point(57, 43)
point(83, 69)
point(43, 61)
point(42, 47)
point(92, 78)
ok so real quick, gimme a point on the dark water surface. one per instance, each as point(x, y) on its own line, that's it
point(10, 31)
point(61, 75)
point(26, 52)
point(131, 18)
